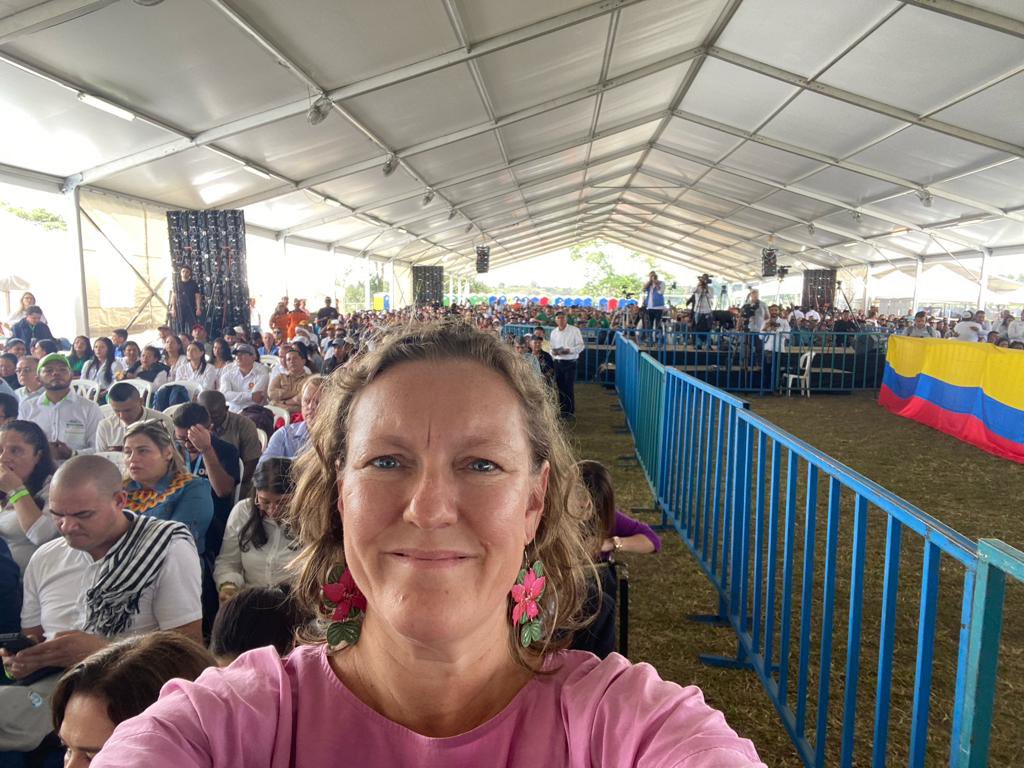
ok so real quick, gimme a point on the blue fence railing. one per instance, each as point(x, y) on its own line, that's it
point(743, 361)
point(772, 522)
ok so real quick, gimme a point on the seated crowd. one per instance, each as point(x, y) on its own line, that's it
point(136, 533)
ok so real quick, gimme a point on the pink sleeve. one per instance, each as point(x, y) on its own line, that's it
point(624, 714)
point(241, 715)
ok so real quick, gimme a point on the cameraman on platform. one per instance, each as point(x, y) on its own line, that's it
point(702, 303)
point(654, 300)
point(754, 311)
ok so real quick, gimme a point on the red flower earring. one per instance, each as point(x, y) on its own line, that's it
point(527, 590)
point(347, 606)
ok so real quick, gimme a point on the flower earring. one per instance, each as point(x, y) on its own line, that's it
point(527, 590)
point(347, 605)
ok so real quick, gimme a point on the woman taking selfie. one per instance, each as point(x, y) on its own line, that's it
point(441, 517)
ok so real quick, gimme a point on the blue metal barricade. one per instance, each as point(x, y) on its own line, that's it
point(748, 500)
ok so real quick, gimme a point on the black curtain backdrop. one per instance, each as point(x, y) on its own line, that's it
point(212, 244)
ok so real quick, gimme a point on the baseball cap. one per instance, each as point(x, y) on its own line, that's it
point(244, 349)
point(53, 357)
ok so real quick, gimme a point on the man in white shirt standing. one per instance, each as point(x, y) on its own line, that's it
point(1014, 331)
point(566, 348)
point(112, 574)
point(245, 383)
point(776, 330)
point(69, 421)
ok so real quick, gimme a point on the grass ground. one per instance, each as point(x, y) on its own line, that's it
point(975, 493)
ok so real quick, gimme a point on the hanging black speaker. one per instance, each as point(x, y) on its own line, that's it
point(483, 258)
point(769, 259)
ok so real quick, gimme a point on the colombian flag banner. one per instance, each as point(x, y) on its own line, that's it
point(972, 391)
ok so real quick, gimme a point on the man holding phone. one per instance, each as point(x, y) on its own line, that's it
point(111, 574)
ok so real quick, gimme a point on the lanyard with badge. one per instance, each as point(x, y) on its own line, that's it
point(195, 467)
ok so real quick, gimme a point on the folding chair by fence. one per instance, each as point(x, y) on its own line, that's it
point(802, 379)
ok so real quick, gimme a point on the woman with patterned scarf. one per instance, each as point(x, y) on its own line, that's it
point(158, 484)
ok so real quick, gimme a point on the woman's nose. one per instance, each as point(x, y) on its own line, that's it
point(433, 503)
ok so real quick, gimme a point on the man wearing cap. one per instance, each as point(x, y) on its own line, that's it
point(244, 383)
point(202, 338)
point(69, 420)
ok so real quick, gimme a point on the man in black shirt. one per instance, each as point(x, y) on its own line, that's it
point(31, 327)
point(846, 323)
point(188, 302)
point(547, 363)
point(326, 313)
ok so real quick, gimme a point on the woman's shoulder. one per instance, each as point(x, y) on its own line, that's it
point(625, 714)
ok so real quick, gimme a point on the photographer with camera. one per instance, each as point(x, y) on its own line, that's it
point(753, 311)
point(654, 301)
point(702, 303)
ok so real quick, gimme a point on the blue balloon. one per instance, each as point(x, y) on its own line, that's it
point(535, 300)
point(631, 303)
point(577, 302)
point(588, 302)
point(559, 301)
point(603, 303)
point(502, 300)
point(492, 299)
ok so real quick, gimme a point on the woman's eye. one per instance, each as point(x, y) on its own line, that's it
point(385, 462)
point(482, 465)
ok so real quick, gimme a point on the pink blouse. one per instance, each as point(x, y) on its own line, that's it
point(588, 712)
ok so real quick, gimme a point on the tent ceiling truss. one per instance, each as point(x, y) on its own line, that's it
point(607, 169)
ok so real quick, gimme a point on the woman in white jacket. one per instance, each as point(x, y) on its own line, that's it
point(198, 369)
point(257, 546)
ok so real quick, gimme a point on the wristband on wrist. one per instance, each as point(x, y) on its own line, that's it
point(18, 495)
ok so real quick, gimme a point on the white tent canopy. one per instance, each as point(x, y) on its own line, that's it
point(697, 131)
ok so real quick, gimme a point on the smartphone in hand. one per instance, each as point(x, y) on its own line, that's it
point(14, 642)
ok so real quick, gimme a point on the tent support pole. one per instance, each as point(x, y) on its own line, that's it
point(917, 282)
point(74, 220)
point(867, 282)
point(983, 279)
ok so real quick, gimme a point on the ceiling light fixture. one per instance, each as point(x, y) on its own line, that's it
point(856, 216)
point(451, 213)
point(389, 165)
point(428, 198)
point(810, 229)
point(332, 202)
point(257, 172)
point(924, 196)
point(319, 110)
point(105, 106)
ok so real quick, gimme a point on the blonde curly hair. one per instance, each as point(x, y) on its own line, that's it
point(562, 542)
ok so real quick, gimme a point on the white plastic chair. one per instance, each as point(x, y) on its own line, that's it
point(263, 438)
point(802, 379)
point(271, 361)
point(280, 412)
point(193, 387)
point(145, 389)
point(106, 410)
point(90, 390)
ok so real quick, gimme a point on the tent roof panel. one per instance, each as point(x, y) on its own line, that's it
point(910, 208)
point(297, 149)
point(480, 151)
point(697, 139)
point(648, 94)
point(1002, 185)
point(485, 20)
point(549, 130)
point(771, 163)
point(623, 139)
point(763, 30)
point(442, 101)
point(561, 62)
point(281, 212)
point(735, 96)
point(798, 205)
point(366, 187)
point(311, 32)
point(656, 29)
point(907, 61)
point(183, 61)
point(45, 127)
point(568, 158)
point(996, 111)
point(847, 186)
point(491, 183)
point(829, 126)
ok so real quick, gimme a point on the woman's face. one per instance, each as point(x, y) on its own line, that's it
point(27, 300)
point(85, 729)
point(131, 353)
point(146, 461)
point(195, 353)
point(438, 498)
point(102, 351)
point(80, 345)
point(271, 505)
point(172, 346)
point(17, 454)
point(148, 358)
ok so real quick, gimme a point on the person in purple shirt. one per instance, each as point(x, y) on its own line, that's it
point(438, 476)
point(618, 532)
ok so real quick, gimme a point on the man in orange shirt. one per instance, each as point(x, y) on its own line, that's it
point(297, 316)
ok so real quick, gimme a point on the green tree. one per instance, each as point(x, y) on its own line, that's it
point(46, 219)
point(602, 277)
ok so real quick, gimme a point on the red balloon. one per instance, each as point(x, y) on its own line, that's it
point(544, 301)
point(613, 303)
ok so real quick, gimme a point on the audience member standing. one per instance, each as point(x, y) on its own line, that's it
point(187, 304)
point(920, 328)
point(69, 420)
point(654, 300)
point(566, 348)
point(25, 471)
point(112, 574)
point(326, 313)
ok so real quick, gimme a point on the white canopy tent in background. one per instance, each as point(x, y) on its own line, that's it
point(847, 134)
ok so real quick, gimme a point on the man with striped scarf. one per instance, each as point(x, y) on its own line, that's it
point(111, 574)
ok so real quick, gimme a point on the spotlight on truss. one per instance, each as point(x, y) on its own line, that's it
point(319, 110)
point(428, 198)
point(811, 230)
point(856, 216)
point(924, 196)
point(389, 165)
point(451, 213)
